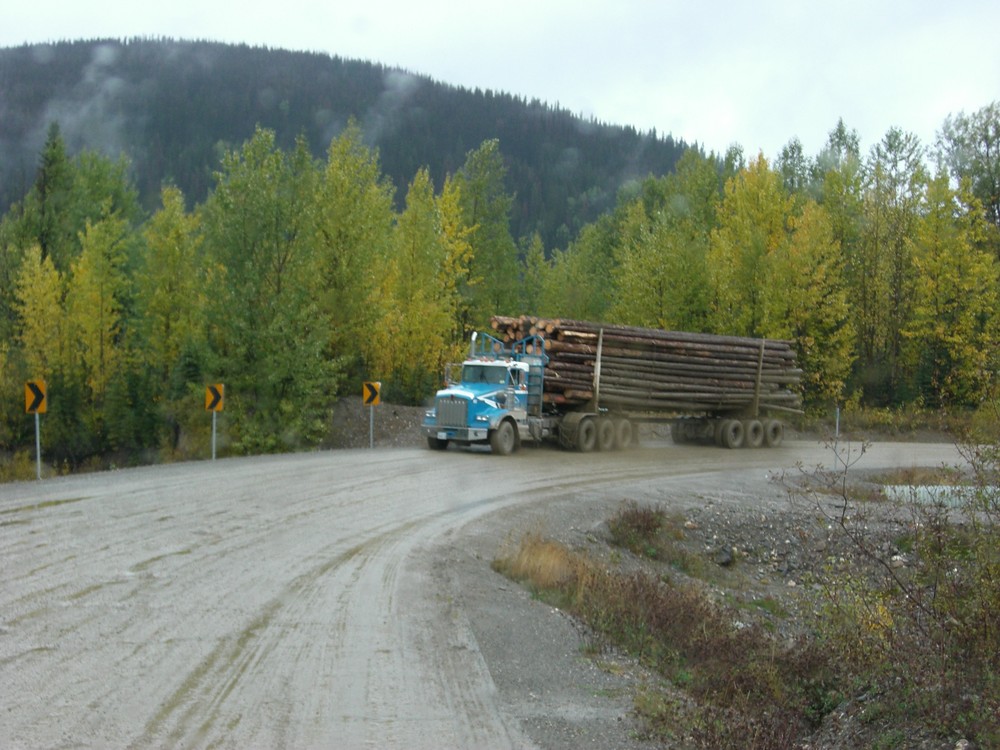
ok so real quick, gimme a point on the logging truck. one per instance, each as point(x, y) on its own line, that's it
point(587, 386)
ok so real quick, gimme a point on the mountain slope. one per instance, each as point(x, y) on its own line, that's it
point(171, 106)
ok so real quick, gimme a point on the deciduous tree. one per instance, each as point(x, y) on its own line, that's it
point(952, 336)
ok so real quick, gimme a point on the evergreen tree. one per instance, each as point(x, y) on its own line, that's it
point(534, 270)
point(883, 264)
point(969, 146)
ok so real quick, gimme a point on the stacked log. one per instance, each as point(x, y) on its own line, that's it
point(650, 369)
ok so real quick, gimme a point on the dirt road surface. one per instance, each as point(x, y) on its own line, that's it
point(339, 599)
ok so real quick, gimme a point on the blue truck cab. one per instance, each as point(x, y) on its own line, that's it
point(497, 400)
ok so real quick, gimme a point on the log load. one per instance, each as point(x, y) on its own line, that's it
point(650, 369)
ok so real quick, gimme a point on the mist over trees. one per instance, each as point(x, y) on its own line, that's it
point(296, 277)
point(172, 108)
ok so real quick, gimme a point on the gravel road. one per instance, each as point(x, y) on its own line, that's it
point(336, 599)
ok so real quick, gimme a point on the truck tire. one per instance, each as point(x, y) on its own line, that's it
point(606, 438)
point(731, 433)
point(753, 433)
point(503, 440)
point(586, 435)
point(774, 432)
point(436, 444)
point(624, 435)
point(677, 433)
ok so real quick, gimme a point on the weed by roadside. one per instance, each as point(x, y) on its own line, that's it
point(889, 640)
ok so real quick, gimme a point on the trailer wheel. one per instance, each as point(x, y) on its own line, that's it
point(731, 433)
point(436, 444)
point(503, 440)
point(753, 433)
point(624, 435)
point(586, 435)
point(606, 438)
point(678, 435)
point(774, 432)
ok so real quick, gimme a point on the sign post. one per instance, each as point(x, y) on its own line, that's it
point(214, 397)
point(35, 402)
point(370, 394)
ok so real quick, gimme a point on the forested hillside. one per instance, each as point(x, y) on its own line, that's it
point(171, 108)
point(297, 276)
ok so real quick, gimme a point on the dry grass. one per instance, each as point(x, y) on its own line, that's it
point(748, 691)
point(899, 636)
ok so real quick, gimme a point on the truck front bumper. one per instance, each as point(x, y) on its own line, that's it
point(458, 434)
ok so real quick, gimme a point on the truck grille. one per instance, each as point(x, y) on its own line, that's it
point(451, 412)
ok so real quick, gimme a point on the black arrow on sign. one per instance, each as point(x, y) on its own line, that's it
point(216, 397)
point(38, 397)
point(371, 394)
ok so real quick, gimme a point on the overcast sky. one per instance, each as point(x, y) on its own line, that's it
point(714, 72)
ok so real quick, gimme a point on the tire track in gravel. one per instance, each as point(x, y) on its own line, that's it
point(277, 602)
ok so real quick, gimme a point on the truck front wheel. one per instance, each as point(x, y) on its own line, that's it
point(503, 440)
point(436, 444)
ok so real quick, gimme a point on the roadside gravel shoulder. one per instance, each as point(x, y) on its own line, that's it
point(561, 697)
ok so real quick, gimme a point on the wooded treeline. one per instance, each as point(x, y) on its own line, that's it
point(297, 278)
point(174, 107)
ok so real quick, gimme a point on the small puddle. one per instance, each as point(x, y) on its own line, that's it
point(952, 496)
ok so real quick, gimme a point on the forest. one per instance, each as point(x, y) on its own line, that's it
point(172, 108)
point(296, 278)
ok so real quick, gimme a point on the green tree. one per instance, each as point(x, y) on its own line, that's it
point(952, 336)
point(660, 270)
point(39, 305)
point(169, 286)
point(649, 272)
point(809, 280)
point(579, 283)
point(969, 146)
point(795, 169)
point(354, 225)
point(752, 230)
point(883, 265)
point(456, 279)
point(49, 202)
point(95, 300)
point(414, 335)
point(168, 334)
point(68, 193)
point(534, 271)
point(486, 207)
point(265, 326)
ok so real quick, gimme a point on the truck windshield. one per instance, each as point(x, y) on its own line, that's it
point(484, 374)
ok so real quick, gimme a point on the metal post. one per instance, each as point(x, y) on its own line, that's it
point(836, 441)
point(38, 447)
point(214, 415)
point(371, 426)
